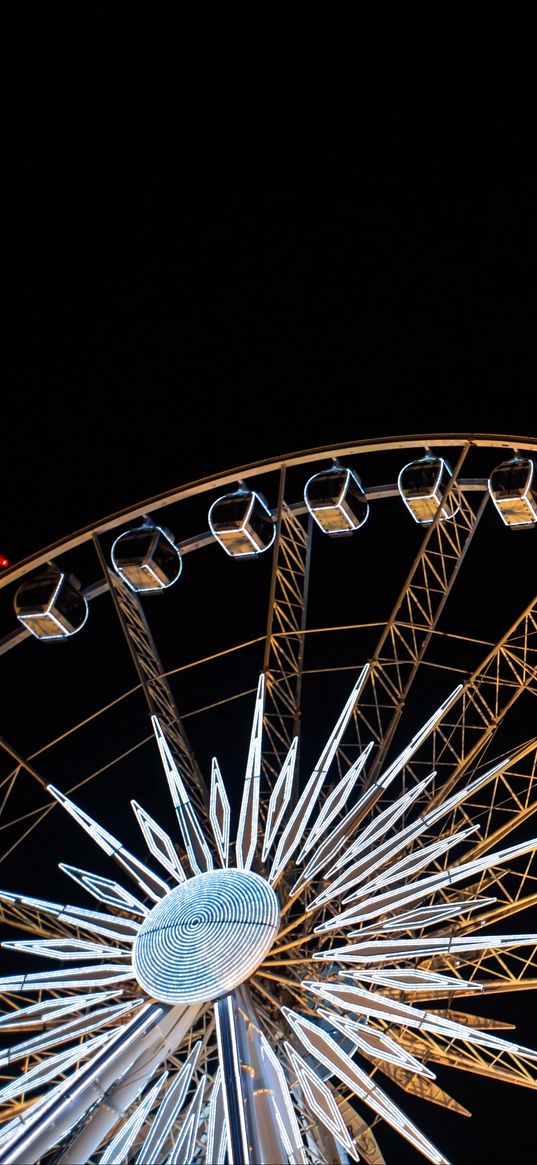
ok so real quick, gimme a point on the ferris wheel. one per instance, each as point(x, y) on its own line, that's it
point(268, 771)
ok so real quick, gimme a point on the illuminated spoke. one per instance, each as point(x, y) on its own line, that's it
point(121, 1143)
point(149, 882)
point(159, 843)
point(249, 814)
point(199, 854)
point(73, 1030)
point(183, 1148)
point(321, 1101)
point(168, 1111)
point(320, 1045)
point(294, 831)
point(219, 813)
point(280, 798)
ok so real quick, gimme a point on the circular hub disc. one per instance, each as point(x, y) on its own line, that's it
point(206, 936)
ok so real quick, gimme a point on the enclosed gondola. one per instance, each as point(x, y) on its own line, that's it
point(422, 485)
point(513, 489)
point(147, 558)
point(51, 604)
point(242, 523)
point(336, 500)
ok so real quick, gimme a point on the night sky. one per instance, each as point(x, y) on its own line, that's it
point(166, 320)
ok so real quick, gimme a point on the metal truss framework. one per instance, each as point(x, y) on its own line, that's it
point(445, 775)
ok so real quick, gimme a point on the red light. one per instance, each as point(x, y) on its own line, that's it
point(3, 561)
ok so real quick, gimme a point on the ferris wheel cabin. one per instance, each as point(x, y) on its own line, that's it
point(51, 605)
point(146, 558)
point(336, 500)
point(422, 485)
point(513, 489)
point(242, 523)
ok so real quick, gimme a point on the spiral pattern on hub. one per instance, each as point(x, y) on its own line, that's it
point(206, 936)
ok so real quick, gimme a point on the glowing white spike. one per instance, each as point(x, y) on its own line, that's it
point(51, 1067)
point(159, 844)
point(123, 929)
point(351, 875)
point(376, 1044)
point(280, 797)
point(413, 979)
point(282, 1105)
point(366, 1003)
point(105, 890)
point(387, 950)
point(65, 948)
point(149, 882)
point(219, 813)
point(408, 866)
point(395, 768)
point(424, 916)
point(246, 843)
point(75, 977)
point(294, 831)
point(68, 1031)
point(183, 1149)
point(38, 1014)
point(216, 1125)
point(332, 806)
point(169, 1111)
point(321, 1101)
point(339, 835)
point(325, 1049)
point(199, 854)
point(118, 1149)
point(400, 896)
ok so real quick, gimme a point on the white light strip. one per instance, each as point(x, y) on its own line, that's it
point(65, 949)
point(106, 890)
point(123, 929)
point(149, 882)
point(320, 1100)
point(235, 1084)
point(334, 802)
point(387, 950)
point(118, 1149)
point(279, 798)
point(423, 916)
point(413, 979)
point(216, 1125)
point(328, 850)
point(183, 1149)
point(363, 867)
point(69, 1031)
point(199, 854)
point(293, 833)
point(75, 977)
point(406, 1014)
point(37, 1014)
point(407, 866)
point(246, 843)
point(219, 813)
point(76, 1093)
point(169, 1110)
point(376, 1044)
point(325, 1049)
point(393, 899)
point(399, 764)
point(159, 844)
point(282, 1104)
point(53, 1066)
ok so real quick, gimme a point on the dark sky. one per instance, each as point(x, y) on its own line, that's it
point(171, 312)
